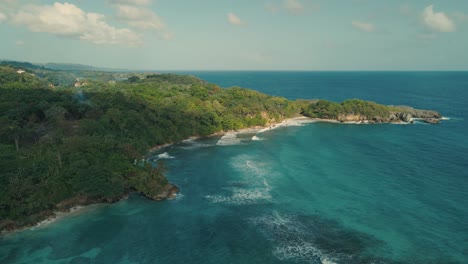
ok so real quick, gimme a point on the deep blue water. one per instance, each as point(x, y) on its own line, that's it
point(317, 193)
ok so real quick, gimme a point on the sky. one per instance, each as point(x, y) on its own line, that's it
point(312, 35)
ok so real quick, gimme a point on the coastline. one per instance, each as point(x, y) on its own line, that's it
point(52, 216)
point(78, 205)
point(291, 121)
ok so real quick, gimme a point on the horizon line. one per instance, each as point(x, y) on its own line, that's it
point(110, 69)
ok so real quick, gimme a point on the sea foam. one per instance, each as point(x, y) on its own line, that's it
point(292, 241)
point(241, 196)
point(254, 186)
point(255, 138)
point(228, 139)
point(164, 155)
point(193, 143)
point(303, 252)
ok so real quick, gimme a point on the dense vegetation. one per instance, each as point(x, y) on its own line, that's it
point(74, 137)
point(59, 142)
point(331, 110)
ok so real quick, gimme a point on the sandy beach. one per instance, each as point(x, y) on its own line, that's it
point(293, 121)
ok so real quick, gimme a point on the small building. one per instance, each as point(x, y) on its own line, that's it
point(77, 84)
point(20, 71)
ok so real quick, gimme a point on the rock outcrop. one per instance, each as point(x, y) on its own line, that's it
point(168, 192)
point(408, 114)
point(398, 114)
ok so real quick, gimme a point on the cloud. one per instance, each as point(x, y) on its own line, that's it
point(141, 18)
point(132, 2)
point(294, 6)
point(234, 19)
point(68, 20)
point(437, 21)
point(3, 17)
point(19, 43)
point(367, 27)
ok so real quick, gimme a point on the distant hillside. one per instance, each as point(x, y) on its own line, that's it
point(70, 67)
point(54, 66)
point(76, 67)
point(22, 65)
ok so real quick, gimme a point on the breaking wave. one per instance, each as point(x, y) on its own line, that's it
point(241, 196)
point(164, 155)
point(292, 240)
point(251, 187)
point(193, 145)
point(229, 139)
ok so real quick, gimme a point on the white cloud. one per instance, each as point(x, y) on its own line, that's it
point(437, 21)
point(19, 43)
point(234, 19)
point(294, 6)
point(3, 17)
point(132, 2)
point(367, 27)
point(138, 17)
point(70, 21)
point(142, 18)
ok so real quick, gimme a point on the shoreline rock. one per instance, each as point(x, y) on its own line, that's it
point(8, 226)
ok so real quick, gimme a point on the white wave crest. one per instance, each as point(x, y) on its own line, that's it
point(229, 139)
point(164, 155)
point(193, 144)
point(242, 196)
point(255, 138)
point(179, 196)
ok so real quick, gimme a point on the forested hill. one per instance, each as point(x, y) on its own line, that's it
point(62, 145)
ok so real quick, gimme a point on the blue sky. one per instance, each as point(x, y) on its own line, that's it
point(238, 34)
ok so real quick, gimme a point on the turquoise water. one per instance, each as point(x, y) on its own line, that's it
point(316, 193)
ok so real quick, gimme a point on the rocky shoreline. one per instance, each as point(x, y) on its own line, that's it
point(405, 114)
point(73, 204)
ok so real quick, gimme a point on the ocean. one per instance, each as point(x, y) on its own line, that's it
point(309, 193)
